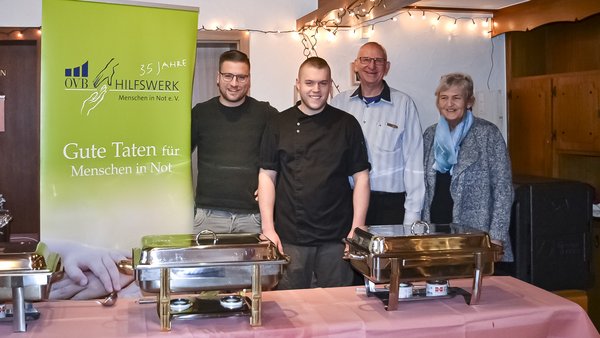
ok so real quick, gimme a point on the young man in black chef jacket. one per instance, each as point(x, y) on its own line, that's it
point(306, 202)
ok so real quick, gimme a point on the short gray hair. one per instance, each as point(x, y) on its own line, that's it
point(461, 80)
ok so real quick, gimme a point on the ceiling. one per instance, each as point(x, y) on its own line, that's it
point(386, 7)
point(468, 4)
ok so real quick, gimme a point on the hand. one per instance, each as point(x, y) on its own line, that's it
point(78, 258)
point(256, 195)
point(101, 262)
point(351, 234)
point(93, 100)
point(66, 288)
point(106, 74)
point(273, 237)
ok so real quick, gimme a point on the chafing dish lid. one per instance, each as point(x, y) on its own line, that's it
point(186, 250)
point(407, 239)
point(26, 257)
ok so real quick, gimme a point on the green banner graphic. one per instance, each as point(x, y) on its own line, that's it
point(115, 115)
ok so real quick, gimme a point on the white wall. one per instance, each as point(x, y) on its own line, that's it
point(418, 53)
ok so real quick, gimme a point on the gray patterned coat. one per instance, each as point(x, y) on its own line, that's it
point(481, 185)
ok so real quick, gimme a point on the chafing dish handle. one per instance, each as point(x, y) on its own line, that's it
point(349, 255)
point(477, 279)
point(125, 266)
point(209, 232)
point(352, 256)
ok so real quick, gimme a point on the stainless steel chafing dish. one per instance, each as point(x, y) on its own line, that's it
point(207, 261)
point(421, 252)
point(26, 272)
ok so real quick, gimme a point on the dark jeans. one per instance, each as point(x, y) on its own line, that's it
point(324, 262)
point(385, 208)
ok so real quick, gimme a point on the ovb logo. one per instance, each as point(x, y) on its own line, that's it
point(77, 77)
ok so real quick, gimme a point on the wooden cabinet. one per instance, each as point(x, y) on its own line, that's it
point(530, 126)
point(554, 126)
point(553, 87)
point(576, 112)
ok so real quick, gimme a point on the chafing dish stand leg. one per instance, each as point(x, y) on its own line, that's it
point(164, 300)
point(18, 301)
point(394, 285)
point(255, 319)
point(477, 279)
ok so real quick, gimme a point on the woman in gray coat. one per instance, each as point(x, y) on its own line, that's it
point(468, 179)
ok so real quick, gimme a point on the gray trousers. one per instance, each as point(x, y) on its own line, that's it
point(323, 262)
point(220, 221)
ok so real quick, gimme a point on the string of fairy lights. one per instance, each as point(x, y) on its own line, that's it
point(362, 13)
point(359, 12)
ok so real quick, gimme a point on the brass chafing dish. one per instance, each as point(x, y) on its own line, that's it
point(26, 272)
point(186, 263)
point(422, 252)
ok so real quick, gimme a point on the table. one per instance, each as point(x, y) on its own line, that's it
point(508, 308)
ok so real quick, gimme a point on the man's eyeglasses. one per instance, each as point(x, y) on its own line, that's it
point(364, 60)
point(228, 77)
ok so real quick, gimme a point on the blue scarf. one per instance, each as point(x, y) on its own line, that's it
point(446, 143)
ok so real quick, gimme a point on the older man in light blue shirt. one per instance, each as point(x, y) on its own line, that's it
point(390, 123)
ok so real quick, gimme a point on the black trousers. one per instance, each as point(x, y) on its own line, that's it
point(385, 208)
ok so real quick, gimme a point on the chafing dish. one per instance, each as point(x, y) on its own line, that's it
point(26, 272)
point(207, 261)
point(422, 252)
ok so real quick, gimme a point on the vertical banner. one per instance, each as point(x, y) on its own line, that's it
point(115, 121)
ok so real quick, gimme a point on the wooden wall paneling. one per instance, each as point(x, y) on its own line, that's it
point(527, 53)
point(19, 144)
point(534, 13)
point(577, 167)
point(576, 112)
point(556, 48)
point(572, 47)
point(530, 126)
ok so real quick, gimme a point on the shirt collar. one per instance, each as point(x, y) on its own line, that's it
point(384, 96)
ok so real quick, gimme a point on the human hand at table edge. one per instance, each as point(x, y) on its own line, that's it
point(66, 288)
point(79, 258)
point(351, 234)
point(274, 237)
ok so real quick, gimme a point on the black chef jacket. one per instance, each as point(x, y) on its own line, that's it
point(313, 157)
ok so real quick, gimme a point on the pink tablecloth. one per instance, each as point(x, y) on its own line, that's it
point(508, 308)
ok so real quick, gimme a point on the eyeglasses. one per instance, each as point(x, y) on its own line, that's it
point(364, 60)
point(228, 77)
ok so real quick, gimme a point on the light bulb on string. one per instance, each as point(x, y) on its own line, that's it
point(473, 25)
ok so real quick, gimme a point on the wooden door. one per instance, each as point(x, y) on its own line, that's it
point(530, 126)
point(19, 143)
point(577, 112)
